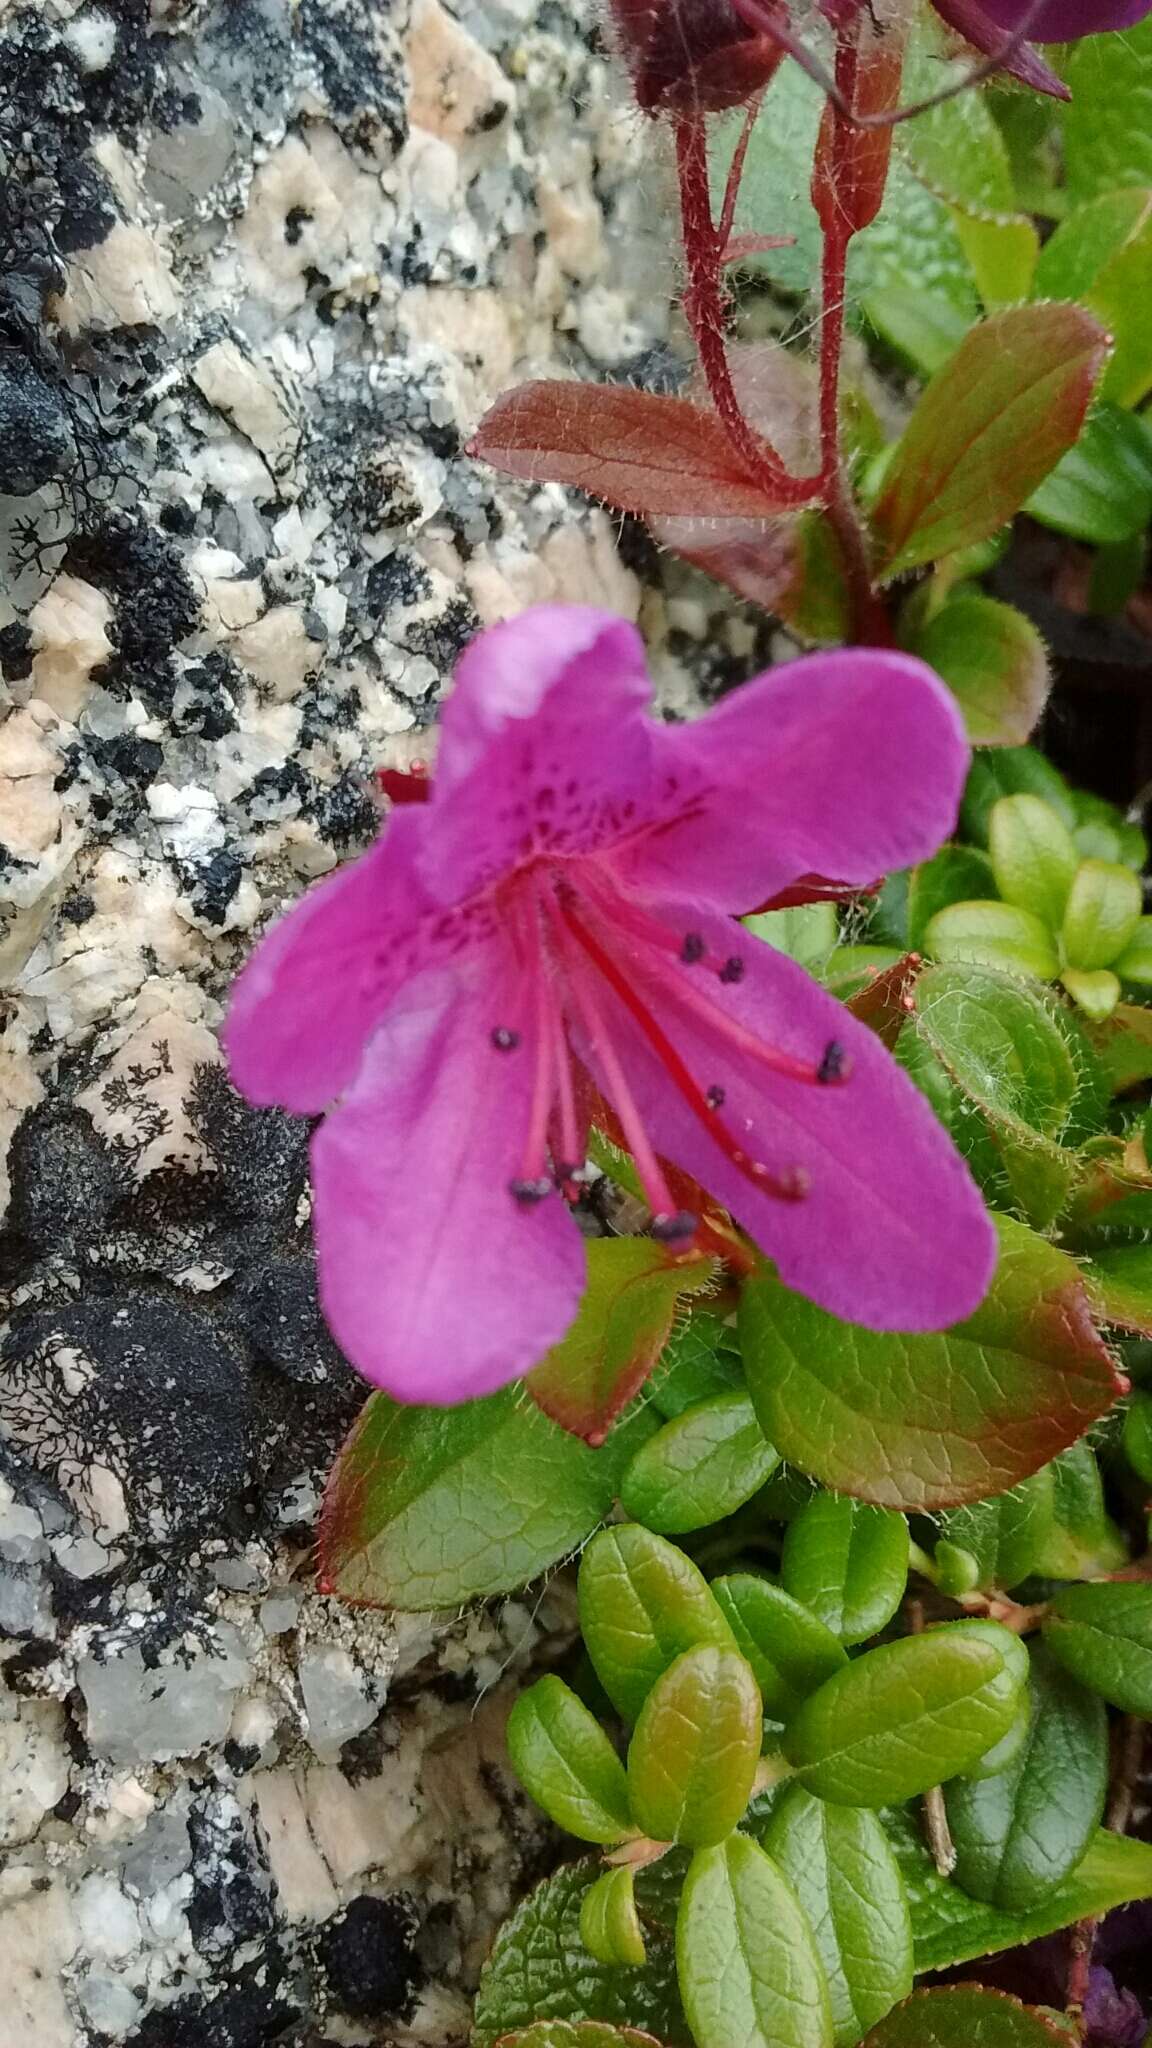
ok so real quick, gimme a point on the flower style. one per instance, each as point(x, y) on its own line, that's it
point(565, 898)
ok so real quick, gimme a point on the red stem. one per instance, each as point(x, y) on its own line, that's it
point(704, 305)
point(735, 173)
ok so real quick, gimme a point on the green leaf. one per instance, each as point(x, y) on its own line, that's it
point(562, 1756)
point(950, 1928)
point(1107, 140)
point(1135, 962)
point(747, 1963)
point(932, 1420)
point(909, 1714)
point(539, 1969)
point(642, 1603)
point(807, 932)
point(1101, 491)
point(1082, 1540)
point(848, 1882)
point(1002, 254)
point(577, 2034)
point(987, 430)
point(1004, 1534)
point(609, 1923)
point(1003, 1044)
point(699, 1360)
point(957, 874)
point(1138, 1436)
point(1124, 1046)
point(1006, 772)
point(1096, 991)
point(1033, 854)
point(632, 1293)
point(1101, 914)
point(993, 661)
point(848, 1563)
point(1023, 1831)
point(429, 1507)
point(694, 1754)
point(789, 1650)
point(1102, 1634)
point(1121, 1284)
point(922, 328)
point(966, 2016)
point(1008, 1748)
point(1085, 242)
point(996, 935)
point(700, 1467)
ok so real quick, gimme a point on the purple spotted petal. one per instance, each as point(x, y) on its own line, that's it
point(546, 745)
point(321, 979)
point(845, 764)
point(436, 1283)
point(893, 1233)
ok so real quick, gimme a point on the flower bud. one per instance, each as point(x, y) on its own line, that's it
point(693, 56)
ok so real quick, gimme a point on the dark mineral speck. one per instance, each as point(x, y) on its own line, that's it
point(367, 1958)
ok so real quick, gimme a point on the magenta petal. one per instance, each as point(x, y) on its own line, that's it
point(974, 21)
point(321, 978)
point(893, 1232)
point(435, 1282)
point(545, 743)
point(847, 764)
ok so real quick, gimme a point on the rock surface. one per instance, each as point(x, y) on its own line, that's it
point(262, 265)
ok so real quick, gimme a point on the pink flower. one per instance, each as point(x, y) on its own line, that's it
point(567, 891)
point(1056, 21)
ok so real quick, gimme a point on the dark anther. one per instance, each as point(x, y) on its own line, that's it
point(505, 1040)
point(834, 1064)
point(529, 1192)
point(693, 948)
point(715, 1097)
point(673, 1229)
point(733, 969)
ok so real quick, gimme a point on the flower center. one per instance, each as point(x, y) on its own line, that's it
point(569, 933)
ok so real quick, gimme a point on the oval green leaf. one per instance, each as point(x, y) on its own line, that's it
point(993, 935)
point(1023, 1831)
point(909, 1714)
point(577, 2034)
point(987, 430)
point(699, 1360)
point(609, 1923)
point(562, 1756)
point(430, 1507)
point(745, 1956)
point(1101, 914)
point(993, 661)
point(1005, 1534)
point(1102, 1634)
point(848, 1882)
point(699, 1467)
point(848, 1563)
point(694, 1754)
point(642, 1603)
point(791, 1653)
point(1034, 855)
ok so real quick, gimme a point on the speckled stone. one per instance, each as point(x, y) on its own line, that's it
point(263, 263)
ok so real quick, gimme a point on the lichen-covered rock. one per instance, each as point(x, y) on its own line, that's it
point(262, 265)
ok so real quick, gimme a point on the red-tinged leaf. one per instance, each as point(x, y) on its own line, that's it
point(967, 2016)
point(815, 889)
point(640, 452)
point(930, 1420)
point(989, 427)
point(885, 1002)
point(1123, 1044)
point(625, 1315)
point(742, 246)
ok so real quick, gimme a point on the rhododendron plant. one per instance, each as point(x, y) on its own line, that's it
point(563, 900)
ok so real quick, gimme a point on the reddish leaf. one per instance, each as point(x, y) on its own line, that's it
point(1120, 1283)
point(884, 1003)
point(1124, 1045)
point(989, 427)
point(640, 452)
point(577, 2034)
point(816, 889)
point(967, 2016)
point(634, 1288)
point(929, 1420)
